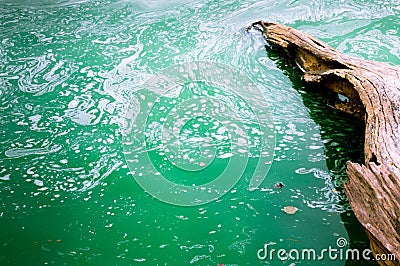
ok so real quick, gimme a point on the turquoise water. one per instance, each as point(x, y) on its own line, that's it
point(70, 69)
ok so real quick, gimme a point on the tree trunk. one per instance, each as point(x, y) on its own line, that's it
point(373, 93)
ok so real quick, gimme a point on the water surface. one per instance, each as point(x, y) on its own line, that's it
point(68, 71)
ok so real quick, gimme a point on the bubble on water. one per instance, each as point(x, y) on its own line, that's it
point(188, 139)
point(38, 182)
point(72, 104)
point(225, 155)
point(5, 178)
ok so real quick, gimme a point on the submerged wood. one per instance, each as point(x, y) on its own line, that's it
point(372, 90)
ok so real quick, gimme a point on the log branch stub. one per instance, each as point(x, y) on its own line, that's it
point(372, 90)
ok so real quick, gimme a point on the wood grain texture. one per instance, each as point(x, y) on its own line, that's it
point(373, 93)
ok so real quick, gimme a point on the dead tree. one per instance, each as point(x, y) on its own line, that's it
point(373, 93)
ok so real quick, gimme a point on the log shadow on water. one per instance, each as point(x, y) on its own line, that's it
point(344, 137)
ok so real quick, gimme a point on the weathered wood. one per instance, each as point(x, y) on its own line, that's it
point(373, 93)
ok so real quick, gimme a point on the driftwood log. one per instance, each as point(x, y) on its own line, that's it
point(372, 94)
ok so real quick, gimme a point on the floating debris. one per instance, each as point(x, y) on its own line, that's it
point(279, 185)
point(290, 209)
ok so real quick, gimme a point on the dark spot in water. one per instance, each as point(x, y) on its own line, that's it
point(279, 185)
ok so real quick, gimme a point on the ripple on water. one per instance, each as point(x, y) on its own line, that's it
point(85, 111)
point(42, 74)
point(21, 152)
point(327, 198)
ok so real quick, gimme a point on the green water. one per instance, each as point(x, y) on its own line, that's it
point(68, 71)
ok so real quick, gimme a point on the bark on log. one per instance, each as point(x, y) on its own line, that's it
point(373, 92)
